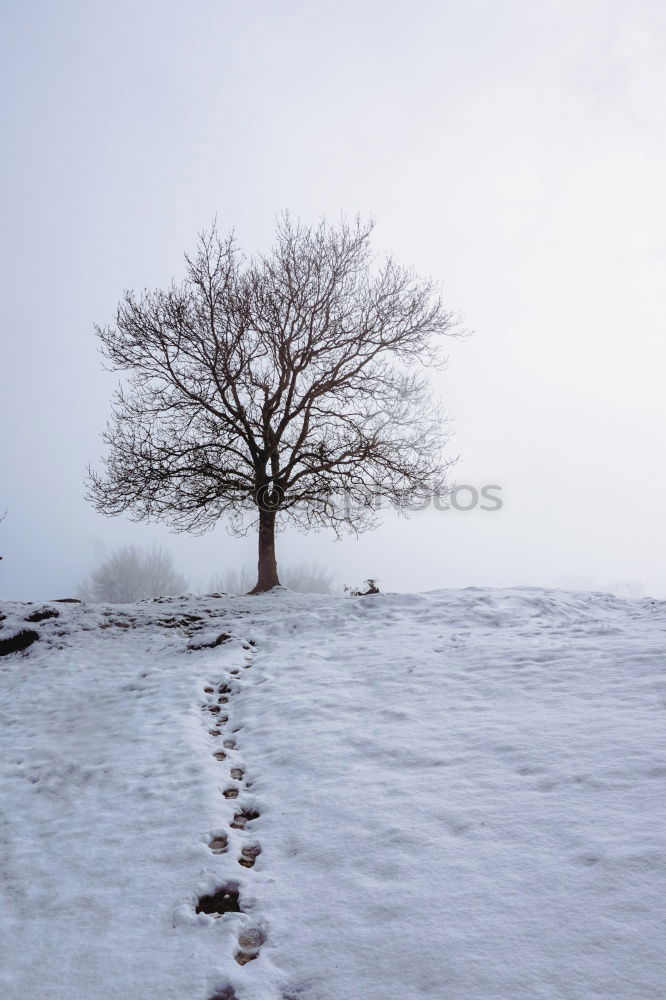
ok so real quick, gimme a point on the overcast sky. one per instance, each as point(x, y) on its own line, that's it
point(513, 149)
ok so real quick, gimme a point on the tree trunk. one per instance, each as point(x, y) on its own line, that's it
point(268, 574)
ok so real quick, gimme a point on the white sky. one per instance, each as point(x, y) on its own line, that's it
point(516, 150)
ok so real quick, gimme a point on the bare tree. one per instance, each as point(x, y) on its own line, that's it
point(283, 384)
point(303, 578)
point(131, 574)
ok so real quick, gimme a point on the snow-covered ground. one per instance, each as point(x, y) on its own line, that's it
point(457, 796)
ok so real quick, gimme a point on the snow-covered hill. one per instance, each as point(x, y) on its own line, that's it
point(456, 795)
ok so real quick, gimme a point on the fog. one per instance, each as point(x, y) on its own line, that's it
point(514, 151)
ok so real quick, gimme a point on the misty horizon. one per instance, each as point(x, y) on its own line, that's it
point(514, 155)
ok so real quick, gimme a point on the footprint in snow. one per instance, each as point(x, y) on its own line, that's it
point(249, 855)
point(250, 941)
point(225, 899)
point(219, 843)
point(242, 817)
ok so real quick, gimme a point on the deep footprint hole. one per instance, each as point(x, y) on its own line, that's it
point(223, 900)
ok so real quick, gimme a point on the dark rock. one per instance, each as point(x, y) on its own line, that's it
point(222, 637)
point(18, 642)
point(40, 616)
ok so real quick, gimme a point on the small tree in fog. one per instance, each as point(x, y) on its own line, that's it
point(304, 578)
point(287, 385)
point(131, 574)
point(234, 581)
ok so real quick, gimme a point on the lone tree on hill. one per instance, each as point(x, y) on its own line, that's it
point(291, 384)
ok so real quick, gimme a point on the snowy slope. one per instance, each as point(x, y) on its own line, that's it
point(457, 795)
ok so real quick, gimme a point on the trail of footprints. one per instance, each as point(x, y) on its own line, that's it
point(225, 899)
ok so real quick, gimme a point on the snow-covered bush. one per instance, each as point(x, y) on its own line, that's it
point(130, 574)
